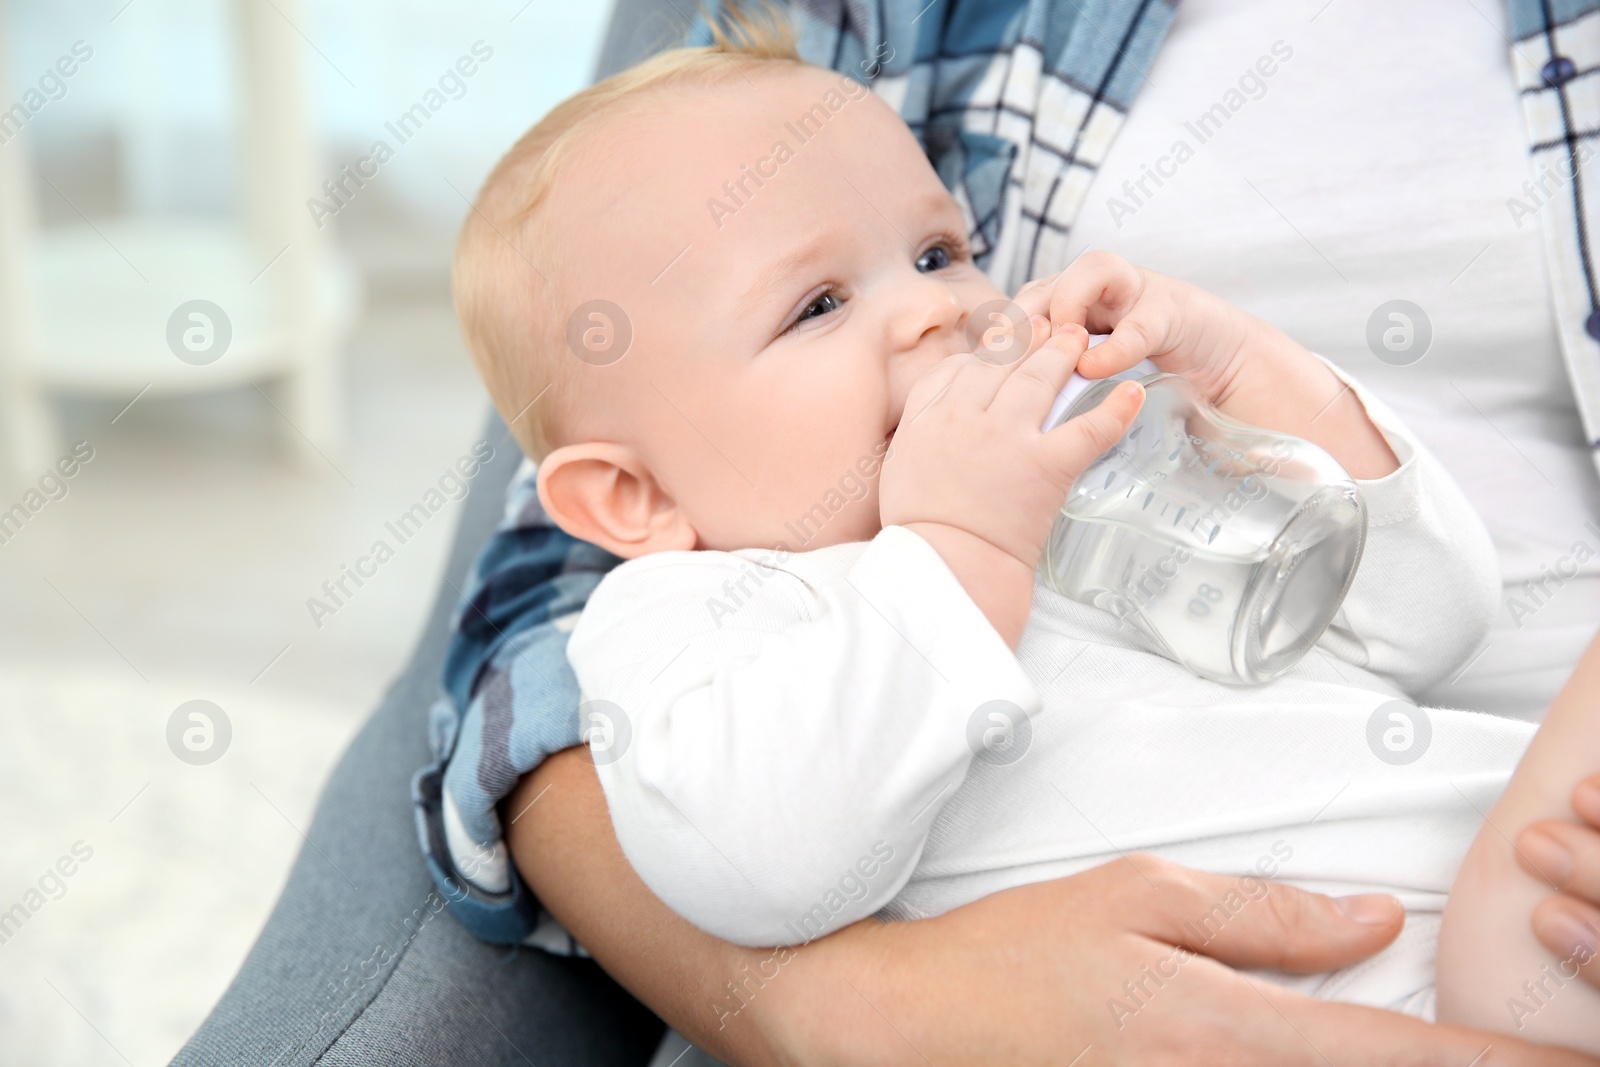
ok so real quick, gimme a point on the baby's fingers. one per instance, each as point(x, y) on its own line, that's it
point(1135, 338)
point(934, 387)
point(1028, 392)
point(1001, 332)
point(1096, 290)
point(1079, 441)
point(1034, 297)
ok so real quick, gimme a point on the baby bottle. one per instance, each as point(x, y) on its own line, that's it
point(1230, 547)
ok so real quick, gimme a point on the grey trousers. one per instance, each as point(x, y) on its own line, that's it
point(371, 969)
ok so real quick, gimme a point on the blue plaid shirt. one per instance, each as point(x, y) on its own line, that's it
point(1016, 103)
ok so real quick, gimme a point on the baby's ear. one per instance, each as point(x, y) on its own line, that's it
point(603, 493)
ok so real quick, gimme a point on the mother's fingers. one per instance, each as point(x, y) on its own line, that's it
point(1586, 801)
point(1564, 854)
point(1571, 930)
point(1257, 922)
point(1260, 923)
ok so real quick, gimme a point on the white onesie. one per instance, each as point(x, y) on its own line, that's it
point(798, 740)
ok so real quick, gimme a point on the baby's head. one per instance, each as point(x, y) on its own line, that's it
point(699, 293)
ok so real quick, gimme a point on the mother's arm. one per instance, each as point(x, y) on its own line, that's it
point(1022, 977)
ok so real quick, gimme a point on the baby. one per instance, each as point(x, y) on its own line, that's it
point(727, 306)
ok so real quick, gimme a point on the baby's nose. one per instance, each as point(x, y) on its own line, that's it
point(933, 311)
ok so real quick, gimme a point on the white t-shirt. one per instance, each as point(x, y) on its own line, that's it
point(1375, 164)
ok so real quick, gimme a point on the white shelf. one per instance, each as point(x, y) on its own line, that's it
point(84, 308)
point(105, 294)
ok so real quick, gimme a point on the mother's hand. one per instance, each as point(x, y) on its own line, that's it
point(1568, 854)
point(1073, 968)
point(1027, 976)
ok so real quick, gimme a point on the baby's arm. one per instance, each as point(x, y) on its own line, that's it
point(1424, 595)
point(1492, 972)
point(1426, 590)
point(1244, 365)
point(786, 763)
point(792, 739)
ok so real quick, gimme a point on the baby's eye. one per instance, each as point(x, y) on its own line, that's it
point(826, 302)
point(936, 258)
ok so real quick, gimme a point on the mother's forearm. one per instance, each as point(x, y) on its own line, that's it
point(583, 879)
point(1020, 978)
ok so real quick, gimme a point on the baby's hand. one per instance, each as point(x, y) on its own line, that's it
point(1180, 328)
point(970, 471)
point(1247, 367)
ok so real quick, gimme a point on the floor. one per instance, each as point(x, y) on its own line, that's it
point(178, 567)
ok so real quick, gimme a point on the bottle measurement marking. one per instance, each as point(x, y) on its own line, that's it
point(1200, 452)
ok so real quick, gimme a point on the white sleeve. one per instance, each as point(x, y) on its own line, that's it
point(791, 740)
point(1426, 590)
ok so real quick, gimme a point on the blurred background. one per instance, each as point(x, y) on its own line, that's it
point(228, 367)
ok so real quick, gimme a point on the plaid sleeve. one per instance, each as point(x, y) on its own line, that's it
point(510, 699)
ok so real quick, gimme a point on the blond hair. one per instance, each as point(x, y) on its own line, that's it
point(506, 294)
